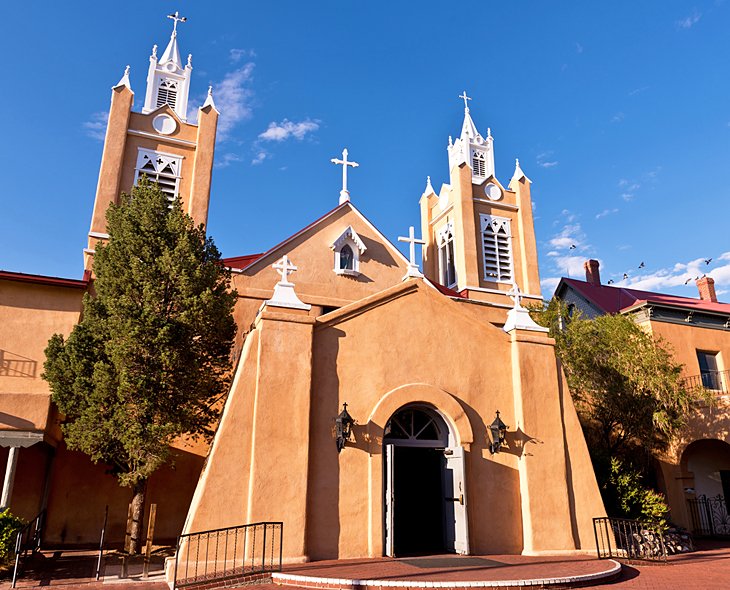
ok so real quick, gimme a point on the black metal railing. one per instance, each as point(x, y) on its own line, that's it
point(709, 516)
point(716, 381)
point(28, 540)
point(629, 539)
point(243, 551)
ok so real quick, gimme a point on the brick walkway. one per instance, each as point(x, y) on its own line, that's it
point(707, 569)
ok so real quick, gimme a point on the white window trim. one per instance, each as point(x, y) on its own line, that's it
point(497, 223)
point(441, 244)
point(350, 238)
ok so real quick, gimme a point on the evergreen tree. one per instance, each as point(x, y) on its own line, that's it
point(150, 359)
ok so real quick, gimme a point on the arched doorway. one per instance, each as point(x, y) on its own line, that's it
point(424, 491)
point(706, 465)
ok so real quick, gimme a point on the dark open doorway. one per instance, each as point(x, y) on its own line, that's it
point(418, 498)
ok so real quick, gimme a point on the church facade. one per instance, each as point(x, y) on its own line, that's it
point(460, 434)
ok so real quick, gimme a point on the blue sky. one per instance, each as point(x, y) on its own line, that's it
point(618, 111)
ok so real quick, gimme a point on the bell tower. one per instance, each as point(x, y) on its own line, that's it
point(158, 142)
point(480, 237)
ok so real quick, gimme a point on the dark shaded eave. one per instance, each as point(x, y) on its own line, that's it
point(21, 277)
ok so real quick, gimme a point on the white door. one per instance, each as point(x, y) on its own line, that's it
point(456, 522)
point(389, 498)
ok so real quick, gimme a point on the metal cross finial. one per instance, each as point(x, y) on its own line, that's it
point(177, 18)
point(412, 240)
point(284, 267)
point(344, 193)
point(465, 97)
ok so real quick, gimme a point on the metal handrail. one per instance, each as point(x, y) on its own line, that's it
point(239, 552)
point(28, 539)
point(716, 381)
point(624, 538)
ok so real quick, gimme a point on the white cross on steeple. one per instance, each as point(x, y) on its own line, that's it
point(344, 193)
point(465, 97)
point(516, 295)
point(177, 18)
point(285, 267)
point(412, 240)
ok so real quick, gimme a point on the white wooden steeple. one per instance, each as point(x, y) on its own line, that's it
point(168, 81)
point(472, 149)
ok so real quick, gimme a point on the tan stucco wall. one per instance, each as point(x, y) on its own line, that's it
point(407, 344)
point(29, 315)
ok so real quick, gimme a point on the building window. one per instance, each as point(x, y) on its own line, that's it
point(348, 249)
point(497, 248)
point(711, 377)
point(478, 163)
point(447, 268)
point(164, 169)
point(167, 93)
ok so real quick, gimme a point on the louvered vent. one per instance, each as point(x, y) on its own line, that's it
point(497, 250)
point(167, 93)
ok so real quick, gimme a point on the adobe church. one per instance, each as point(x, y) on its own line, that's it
point(456, 430)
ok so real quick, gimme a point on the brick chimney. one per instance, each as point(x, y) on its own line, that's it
point(593, 276)
point(706, 286)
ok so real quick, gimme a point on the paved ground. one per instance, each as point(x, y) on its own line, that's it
point(706, 569)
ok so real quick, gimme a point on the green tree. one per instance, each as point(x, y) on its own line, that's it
point(150, 359)
point(629, 393)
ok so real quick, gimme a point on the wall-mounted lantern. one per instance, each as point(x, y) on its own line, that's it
point(343, 427)
point(497, 429)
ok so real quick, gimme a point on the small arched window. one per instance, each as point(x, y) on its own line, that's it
point(348, 249)
point(447, 268)
point(347, 258)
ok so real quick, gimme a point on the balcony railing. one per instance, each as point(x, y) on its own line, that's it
point(715, 381)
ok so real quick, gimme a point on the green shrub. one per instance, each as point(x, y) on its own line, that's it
point(627, 497)
point(9, 527)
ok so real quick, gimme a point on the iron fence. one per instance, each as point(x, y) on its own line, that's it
point(237, 552)
point(629, 539)
point(709, 516)
point(28, 539)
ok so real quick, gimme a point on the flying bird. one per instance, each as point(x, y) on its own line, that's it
point(641, 265)
point(688, 280)
point(610, 281)
point(626, 276)
point(708, 260)
point(572, 247)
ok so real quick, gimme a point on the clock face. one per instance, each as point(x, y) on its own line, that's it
point(493, 192)
point(164, 124)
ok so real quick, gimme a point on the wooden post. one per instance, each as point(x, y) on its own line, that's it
point(150, 535)
point(127, 542)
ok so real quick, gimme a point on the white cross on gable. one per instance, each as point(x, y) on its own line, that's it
point(344, 193)
point(284, 267)
point(516, 295)
point(178, 19)
point(412, 240)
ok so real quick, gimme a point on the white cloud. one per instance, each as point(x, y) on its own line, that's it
point(684, 273)
point(226, 160)
point(636, 91)
point(237, 55)
point(570, 265)
point(628, 189)
point(606, 212)
point(578, 48)
point(548, 285)
point(259, 157)
point(95, 127)
point(571, 235)
point(286, 129)
point(232, 97)
point(689, 21)
point(544, 160)
point(618, 117)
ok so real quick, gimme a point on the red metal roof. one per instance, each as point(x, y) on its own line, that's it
point(44, 280)
point(616, 299)
point(241, 262)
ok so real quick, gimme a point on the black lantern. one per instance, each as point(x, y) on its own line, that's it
point(343, 427)
point(497, 429)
